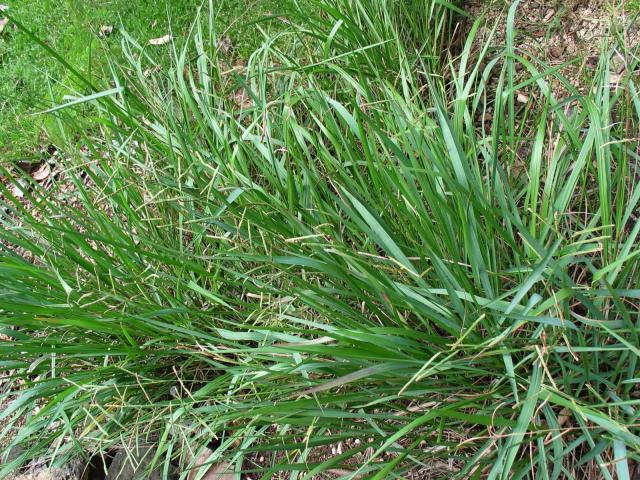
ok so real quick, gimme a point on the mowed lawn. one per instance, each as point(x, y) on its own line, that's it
point(30, 80)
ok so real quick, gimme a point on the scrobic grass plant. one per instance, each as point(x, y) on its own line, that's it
point(332, 245)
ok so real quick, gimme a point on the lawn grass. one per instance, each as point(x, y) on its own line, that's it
point(361, 245)
point(71, 27)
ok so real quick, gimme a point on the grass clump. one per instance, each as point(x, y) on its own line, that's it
point(336, 247)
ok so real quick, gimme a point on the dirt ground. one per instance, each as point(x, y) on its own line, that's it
point(561, 31)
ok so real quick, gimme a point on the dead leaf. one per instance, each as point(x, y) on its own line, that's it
point(225, 45)
point(237, 68)
point(220, 471)
point(105, 31)
point(217, 471)
point(549, 15)
point(42, 172)
point(564, 416)
point(3, 23)
point(18, 190)
point(243, 99)
point(556, 51)
point(614, 80)
point(522, 98)
point(519, 167)
point(189, 74)
point(160, 40)
point(151, 71)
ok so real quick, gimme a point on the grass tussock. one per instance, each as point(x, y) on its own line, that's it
point(336, 243)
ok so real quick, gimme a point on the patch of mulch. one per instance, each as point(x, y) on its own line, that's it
point(561, 31)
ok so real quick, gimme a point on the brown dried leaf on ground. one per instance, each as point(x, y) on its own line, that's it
point(225, 45)
point(105, 31)
point(161, 40)
point(42, 172)
point(238, 68)
point(243, 99)
point(17, 189)
point(216, 471)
